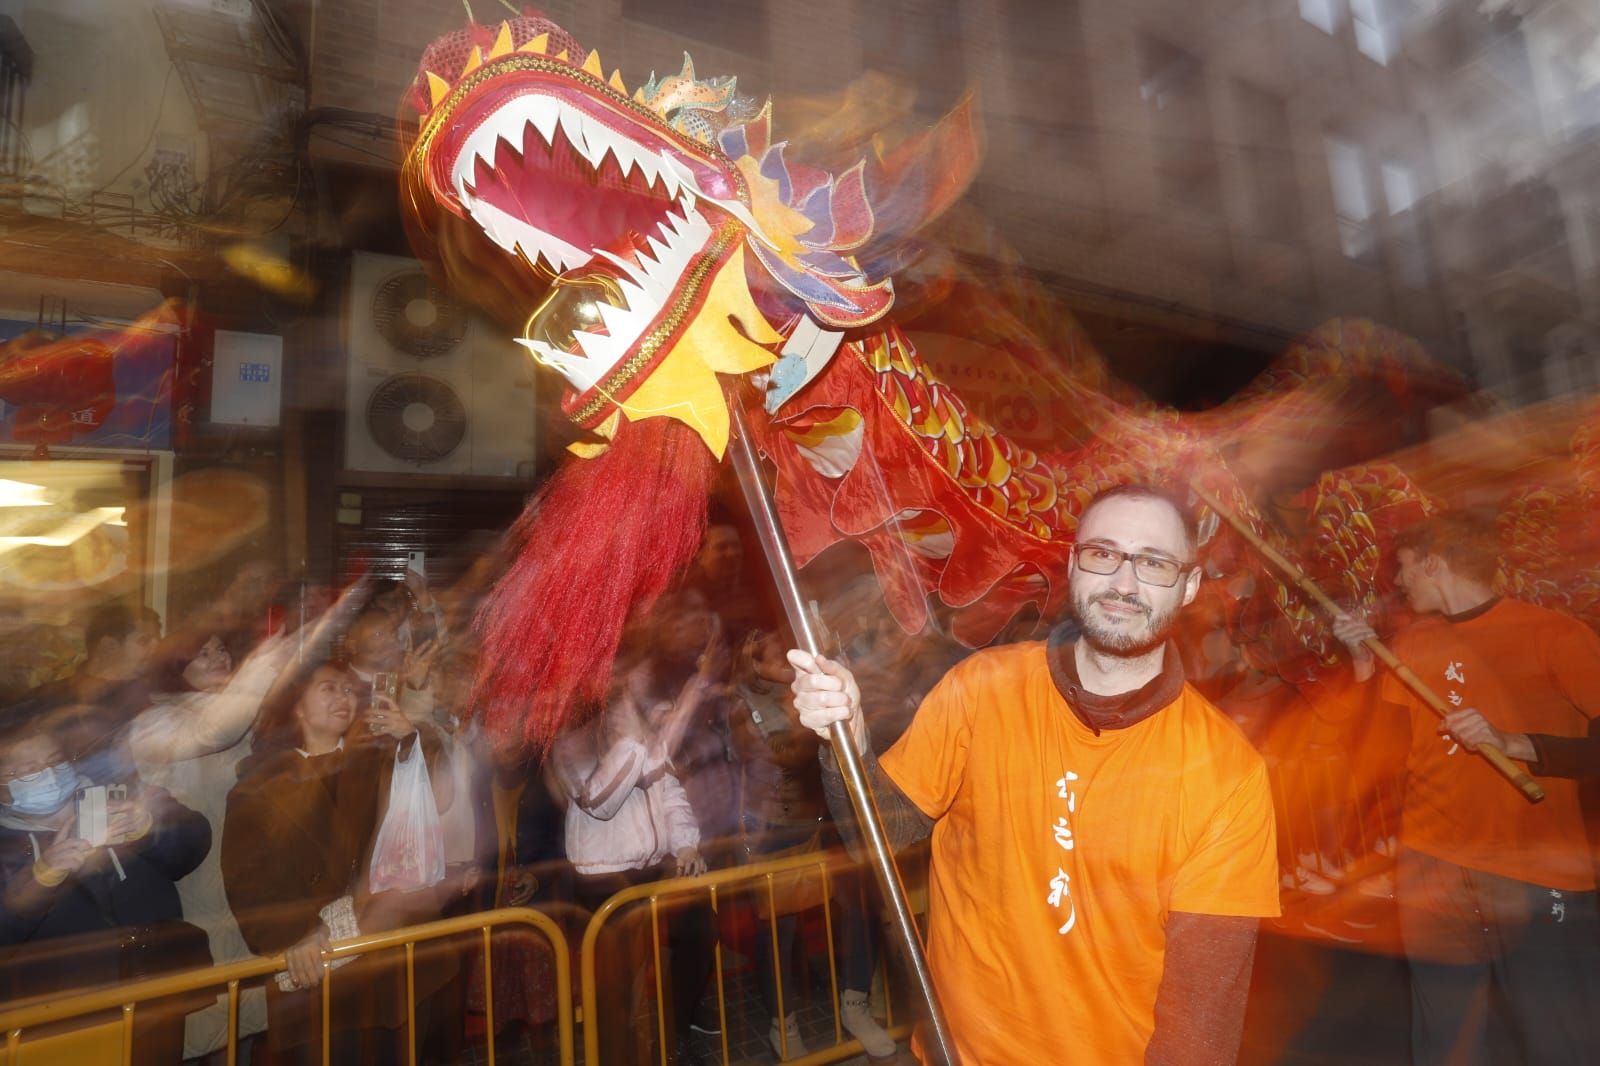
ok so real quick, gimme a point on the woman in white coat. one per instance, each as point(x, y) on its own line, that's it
point(629, 822)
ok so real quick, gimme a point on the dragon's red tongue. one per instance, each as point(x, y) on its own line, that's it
point(553, 188)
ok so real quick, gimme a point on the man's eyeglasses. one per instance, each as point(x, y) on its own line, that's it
point(1155, 570)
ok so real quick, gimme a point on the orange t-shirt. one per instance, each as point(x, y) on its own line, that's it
point(1528, 670)
point(1058, 854)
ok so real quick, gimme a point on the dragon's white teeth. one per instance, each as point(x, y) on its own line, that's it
point(669, 175)
point(619, 321)
point(544, 113)
point(658, 251)
point(682, 175)
point(621, 263)
point(641, 297)
point(597, 347)
point(648, 168)
point(556, 260)
point(507, 125)
point(674, 224)
point(510, 232)
point(642, 283)
point(590, 137)
point(572, 129)
point(600, 141)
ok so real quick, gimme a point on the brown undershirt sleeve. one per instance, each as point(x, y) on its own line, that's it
point(1200, 1003)
point(903, 822)
point(1565, 756)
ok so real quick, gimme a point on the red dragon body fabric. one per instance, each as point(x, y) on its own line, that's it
point(662, 252)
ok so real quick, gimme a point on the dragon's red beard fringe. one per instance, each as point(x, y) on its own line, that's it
point(602, 540)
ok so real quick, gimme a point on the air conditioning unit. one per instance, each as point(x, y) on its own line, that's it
point(432, 387)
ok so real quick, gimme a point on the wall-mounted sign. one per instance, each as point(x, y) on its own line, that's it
point(246, 378)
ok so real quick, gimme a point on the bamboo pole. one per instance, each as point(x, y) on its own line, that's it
point(1509, 770)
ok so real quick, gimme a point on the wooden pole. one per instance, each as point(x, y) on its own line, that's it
point(1509, 770)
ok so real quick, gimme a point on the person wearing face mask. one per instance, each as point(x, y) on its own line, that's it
point(75, 915)
point(92, 708)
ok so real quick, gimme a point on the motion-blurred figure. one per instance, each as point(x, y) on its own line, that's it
point(630, 821)
point(785, 814)
point(1497, 895)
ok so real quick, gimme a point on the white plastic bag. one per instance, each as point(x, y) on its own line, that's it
point(409, 851)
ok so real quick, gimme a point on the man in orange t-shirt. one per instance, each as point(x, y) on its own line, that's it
point(1493, 890)
point(1103, 838)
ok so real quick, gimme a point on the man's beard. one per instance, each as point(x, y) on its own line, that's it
point(1117, 641)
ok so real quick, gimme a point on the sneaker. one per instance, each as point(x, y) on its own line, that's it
point(1322, 866)
point(859, 1023)
point(706, 1020)
point(1310, 883)
point(1330, 934)
point(790, 1034)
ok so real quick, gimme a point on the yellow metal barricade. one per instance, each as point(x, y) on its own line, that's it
point(716, 887)
point(97, 1027)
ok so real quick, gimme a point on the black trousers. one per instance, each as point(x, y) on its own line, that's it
point(623, 955)
point(1474, 940)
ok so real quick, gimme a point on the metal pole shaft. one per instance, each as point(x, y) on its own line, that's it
point(758, 497)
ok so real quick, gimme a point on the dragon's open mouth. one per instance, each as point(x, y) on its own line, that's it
point(564, 178)
point(633, 219)
point(577, 184)
point(540, 176)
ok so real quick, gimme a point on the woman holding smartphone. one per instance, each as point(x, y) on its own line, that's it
point(296, 845)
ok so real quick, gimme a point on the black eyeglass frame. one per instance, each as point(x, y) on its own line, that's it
point(1137, 558)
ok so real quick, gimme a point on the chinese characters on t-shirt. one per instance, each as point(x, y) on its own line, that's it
point(1061, 885)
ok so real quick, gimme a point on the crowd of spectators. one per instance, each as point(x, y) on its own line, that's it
point(250, 771)
point(251, 767)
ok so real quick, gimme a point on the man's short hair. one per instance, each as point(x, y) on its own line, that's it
point(111, 620)
point(1134, 490)
point(1469, 543)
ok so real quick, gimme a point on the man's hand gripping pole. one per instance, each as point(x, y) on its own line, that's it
point(758, 497)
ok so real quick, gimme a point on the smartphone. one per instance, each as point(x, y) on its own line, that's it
point(417, 561)
point(91, 814)
point(384, 683)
